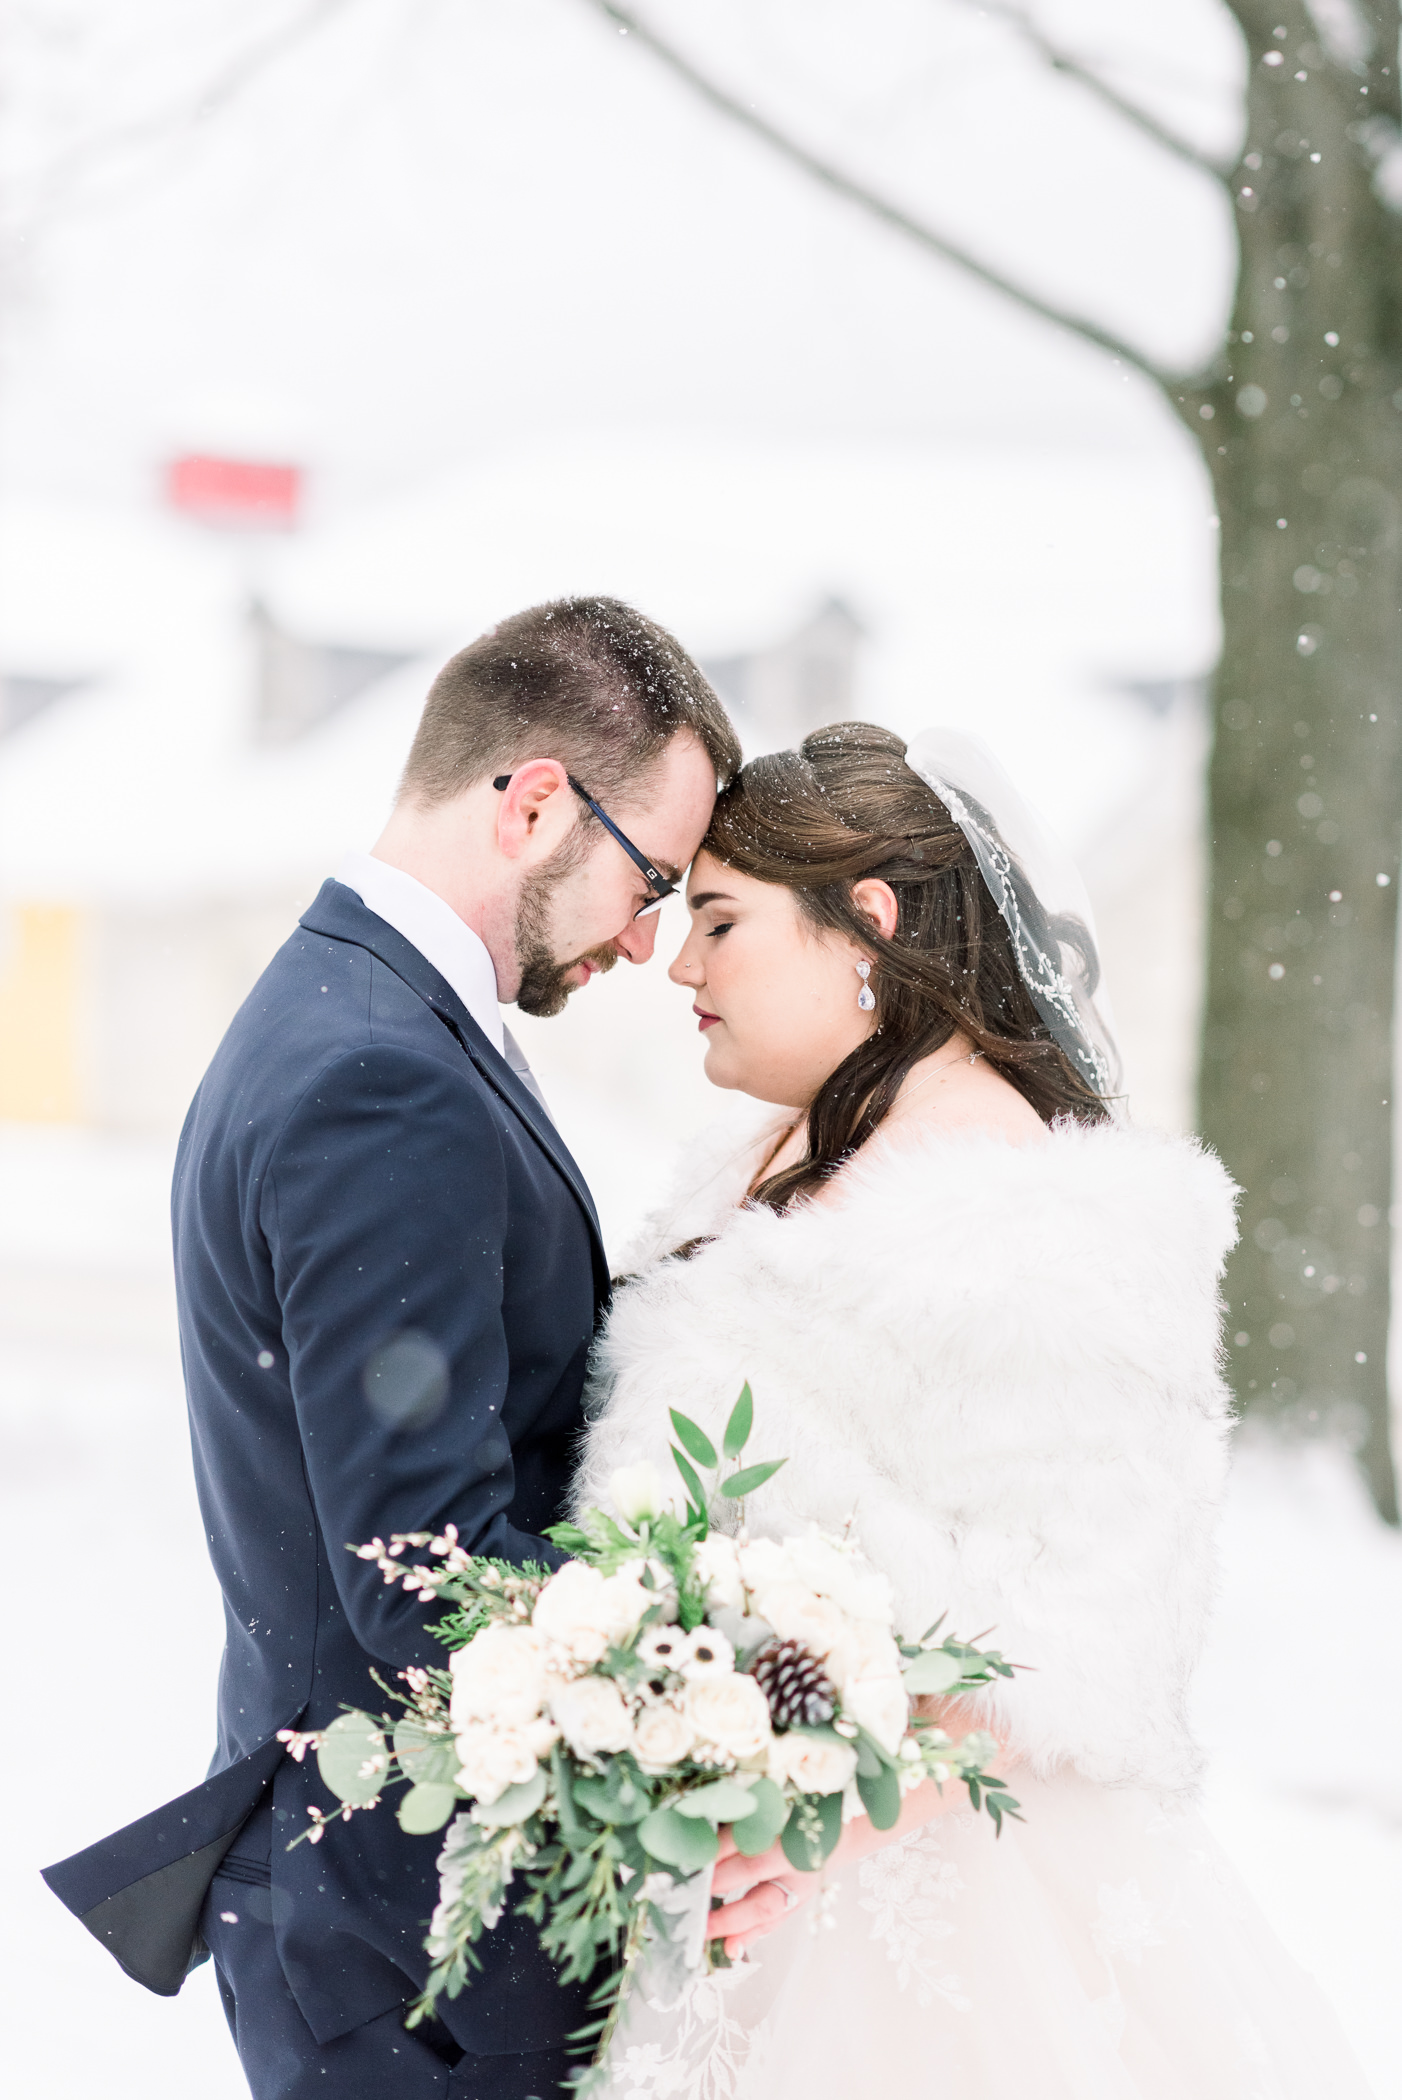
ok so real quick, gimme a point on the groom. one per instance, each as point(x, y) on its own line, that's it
point(389, 1271)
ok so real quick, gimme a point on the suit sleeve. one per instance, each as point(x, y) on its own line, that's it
point(385, 1211)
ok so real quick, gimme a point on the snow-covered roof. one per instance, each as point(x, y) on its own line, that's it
point(997, 592)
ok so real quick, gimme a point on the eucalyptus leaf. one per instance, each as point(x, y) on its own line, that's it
point(761, 1829)
point(811, 1834)
point(933, 1671)
point(685, 1842)
point(515, 1804)
point(869, 1758)
point(881, 1797)
point(723, 1801)
point(737, 1429)
point(618, 1798)
point(424, 1756)
point(350, 1744)
point(752, 1477)
point(694, 1440)
point(426, 1808)
point(868, 1747)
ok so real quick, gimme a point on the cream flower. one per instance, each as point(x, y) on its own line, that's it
point(662, 1736)
point(717, 1562)
point(798, 1614)
point(492, 1759)
point(841, 1572)
point(816, 1764)
point(499, 1676)
point(711, 1656)
point(663, 1648)
point(586, 1613)
point(592, 1716)
point(641, 1491)
point(764, 1563)
point(879, 1704)
point(730, 1712)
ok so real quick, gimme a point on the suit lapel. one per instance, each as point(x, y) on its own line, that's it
point(339, 913)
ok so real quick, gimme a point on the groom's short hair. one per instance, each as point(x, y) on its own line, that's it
point(588, 681)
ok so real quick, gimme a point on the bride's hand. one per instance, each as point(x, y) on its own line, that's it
point(766, 1889)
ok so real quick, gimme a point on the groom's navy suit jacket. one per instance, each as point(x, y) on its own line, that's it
point(389, 1271)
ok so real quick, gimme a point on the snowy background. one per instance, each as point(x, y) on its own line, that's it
point(532, 320)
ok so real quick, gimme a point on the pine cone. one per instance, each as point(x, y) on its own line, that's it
point(798, 1688)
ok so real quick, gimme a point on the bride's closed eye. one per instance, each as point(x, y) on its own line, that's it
point(724, 927)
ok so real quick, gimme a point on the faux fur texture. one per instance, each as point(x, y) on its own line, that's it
point(1002, 1365)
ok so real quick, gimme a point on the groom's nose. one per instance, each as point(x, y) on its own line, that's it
point(638, 938)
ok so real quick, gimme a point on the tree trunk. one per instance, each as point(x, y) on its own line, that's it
point(1304, 439)
point(1300, 421)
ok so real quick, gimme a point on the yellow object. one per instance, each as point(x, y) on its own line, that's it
point(40, 960)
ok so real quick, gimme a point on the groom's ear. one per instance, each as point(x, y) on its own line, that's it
point(535, 809)
point(876, 901)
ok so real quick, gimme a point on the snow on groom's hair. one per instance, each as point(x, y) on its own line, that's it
point(587, 681)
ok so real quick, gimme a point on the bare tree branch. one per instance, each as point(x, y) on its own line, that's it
point(844, 185)
point(241, 73)
point(1062, 62)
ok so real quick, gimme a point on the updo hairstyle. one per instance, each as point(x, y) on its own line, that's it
point(843, 807)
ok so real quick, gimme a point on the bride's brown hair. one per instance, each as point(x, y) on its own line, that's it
point(844, 807)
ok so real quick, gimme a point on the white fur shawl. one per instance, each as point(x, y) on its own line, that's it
point(1002, 1364)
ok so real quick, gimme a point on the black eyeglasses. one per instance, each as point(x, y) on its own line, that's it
point(657, 881)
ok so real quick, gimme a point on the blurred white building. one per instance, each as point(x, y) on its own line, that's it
point(197, 724)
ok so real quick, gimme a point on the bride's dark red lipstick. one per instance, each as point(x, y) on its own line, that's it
point(704, 1020)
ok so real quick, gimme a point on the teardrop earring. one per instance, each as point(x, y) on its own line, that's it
point(866, 997)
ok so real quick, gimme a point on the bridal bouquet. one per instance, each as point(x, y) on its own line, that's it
point(595, 1726)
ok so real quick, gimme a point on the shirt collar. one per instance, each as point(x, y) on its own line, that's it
point(457, 953)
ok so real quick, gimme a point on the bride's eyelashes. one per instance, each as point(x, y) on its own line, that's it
point(724, 927)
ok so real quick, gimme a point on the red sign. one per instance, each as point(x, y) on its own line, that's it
point(234, 491)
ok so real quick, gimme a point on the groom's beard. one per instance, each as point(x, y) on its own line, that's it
point(543, 990)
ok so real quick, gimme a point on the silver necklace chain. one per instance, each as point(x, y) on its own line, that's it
point(948, 1066)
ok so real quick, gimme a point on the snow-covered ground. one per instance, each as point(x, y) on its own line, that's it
point(1300, 1698)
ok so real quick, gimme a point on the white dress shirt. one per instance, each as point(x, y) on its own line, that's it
point(434, 928)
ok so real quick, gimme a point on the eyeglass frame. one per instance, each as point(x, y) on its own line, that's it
point(657, 881)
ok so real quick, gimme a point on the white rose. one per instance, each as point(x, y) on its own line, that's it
point(879, 1704)
point(662, 1736)
point(842, 1572)
point(798, 1614)
point(656, 1579)
point(592, 1716)
point(717, 1563)
point(763, 1564)
point(499, 1675)
point(815, 1764)
point(586, 1613)
point(730, 1712)
point(492, 1759)
point(641, 1491)
point(626, 1602)
point(870, 1651)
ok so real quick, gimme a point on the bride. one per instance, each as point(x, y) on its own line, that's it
point(980, 1314)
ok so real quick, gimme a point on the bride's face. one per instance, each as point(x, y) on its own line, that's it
point(774, 995)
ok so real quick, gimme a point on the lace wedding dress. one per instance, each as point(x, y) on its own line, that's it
point(1103, 1950)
